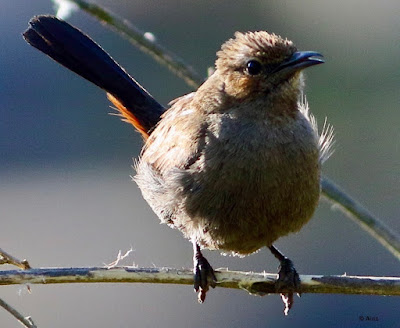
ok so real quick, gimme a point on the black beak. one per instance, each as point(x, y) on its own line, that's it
point(300, 60)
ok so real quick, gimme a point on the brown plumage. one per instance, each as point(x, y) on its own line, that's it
point(234, 165)
point(229, 165)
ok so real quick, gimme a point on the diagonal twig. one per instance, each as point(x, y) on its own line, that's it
point(25, 321)
point(355, 211)
point(142, 41)
point(6, 258)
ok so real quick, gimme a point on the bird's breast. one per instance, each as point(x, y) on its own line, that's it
point(248, 182)
point(254, 182)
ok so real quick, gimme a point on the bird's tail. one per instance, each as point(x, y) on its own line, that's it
point(75, 50)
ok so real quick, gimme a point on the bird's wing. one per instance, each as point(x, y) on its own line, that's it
point(178, 139)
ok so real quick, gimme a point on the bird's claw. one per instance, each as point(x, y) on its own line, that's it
point(289, 282)
point(204, 277)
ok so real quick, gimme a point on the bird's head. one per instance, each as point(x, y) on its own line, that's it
point(260, 64)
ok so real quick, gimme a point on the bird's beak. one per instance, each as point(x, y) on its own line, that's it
point(300, 60)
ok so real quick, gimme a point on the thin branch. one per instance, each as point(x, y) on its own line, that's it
point(359, 214)
point(144, 41)
point(389, 239)
point(254, 283)
point(25, 321)
point(119, 258)
point(6, 258)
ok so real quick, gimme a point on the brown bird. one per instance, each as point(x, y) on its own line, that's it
point(234, 165)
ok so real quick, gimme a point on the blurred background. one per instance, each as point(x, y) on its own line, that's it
point(67, 199)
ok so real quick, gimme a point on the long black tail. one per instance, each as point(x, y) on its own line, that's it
point(75, 50)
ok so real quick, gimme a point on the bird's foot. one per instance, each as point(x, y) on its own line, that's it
point(288, 281)
point(204, 276)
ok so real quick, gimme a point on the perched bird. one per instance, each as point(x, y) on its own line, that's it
point(234, 165)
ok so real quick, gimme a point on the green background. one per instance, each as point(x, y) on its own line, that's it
point(66, 197)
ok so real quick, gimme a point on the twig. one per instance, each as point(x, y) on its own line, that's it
point(26, 321)
point(6, 258)
point(119, 258)
point(138, 38)
point(359, 214)
point(254, 283)
point(389, 239)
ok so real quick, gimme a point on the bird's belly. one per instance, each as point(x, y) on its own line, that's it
point(241, 204)
point(241, 193)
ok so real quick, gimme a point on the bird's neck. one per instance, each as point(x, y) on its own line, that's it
point(283, 101)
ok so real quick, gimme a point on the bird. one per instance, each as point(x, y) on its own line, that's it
point(234, 165)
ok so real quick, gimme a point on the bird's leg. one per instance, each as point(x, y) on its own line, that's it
point(288, 278)
point(204, 275)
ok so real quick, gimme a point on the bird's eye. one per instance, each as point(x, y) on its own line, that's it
point(253, 67)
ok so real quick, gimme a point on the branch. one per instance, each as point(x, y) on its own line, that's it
point(6, 258)
point(144, 41)
point(254, 283)
point(376, 228)
point(359, 214)
point(26, 321)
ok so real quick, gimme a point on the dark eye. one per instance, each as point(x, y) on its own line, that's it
point(253, 67)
